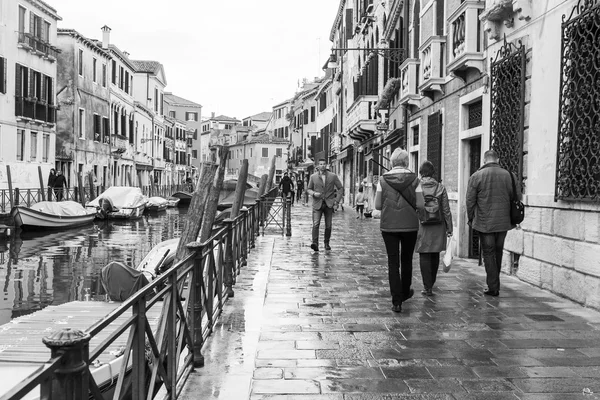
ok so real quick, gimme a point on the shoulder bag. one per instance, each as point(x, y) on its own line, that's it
point(517, 209)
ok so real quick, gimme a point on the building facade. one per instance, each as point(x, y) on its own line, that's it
point(28, 66)
point(83, 142)
point(186, 110)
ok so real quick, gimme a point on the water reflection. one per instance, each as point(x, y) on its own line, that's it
point(38, 269)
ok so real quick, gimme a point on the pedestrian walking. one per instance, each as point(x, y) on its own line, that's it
point(396, 198)
point(489, 193)
point(60, 183)
point(306, 191)
point(299, 189)
point(51, 180)
point(435, 225)
point(326, 190)
point(360, 203)
point(286, 186)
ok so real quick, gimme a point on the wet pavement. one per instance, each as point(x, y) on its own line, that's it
point(318, 326)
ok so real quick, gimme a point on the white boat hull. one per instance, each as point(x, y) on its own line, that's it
point(27, 218)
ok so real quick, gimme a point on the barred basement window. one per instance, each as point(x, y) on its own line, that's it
point(475, 114)
point(508, 106)
point(577, 164)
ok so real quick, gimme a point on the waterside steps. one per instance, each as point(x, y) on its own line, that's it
point(22, 350)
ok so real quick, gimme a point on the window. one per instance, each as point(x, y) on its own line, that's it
point(194, 153)
point(97, 128)
point(475, 114)
point(126, 82)
point(162, 104)
point(228, 126)
point(104, 75)
point(415, 135)
point(80, 63)
point(22, 81)
point(46, 31)
point(265, 152)
point(312, 114)
point(3, 67)
point(121, 77)
point(155, 100)
point(114, 72)
point(36, 85)
point(34, 146)
point(278, 152)
point(20, 144)
point(21, 19)
point(94, 72)
point(195, 134)
point(105, 130)
point(193, 116)
point(250, 152)
point(172, 114)
point(45, 147)
point(81, 123)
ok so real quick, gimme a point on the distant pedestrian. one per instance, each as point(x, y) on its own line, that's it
point(306, 191)
point(488, 211)
point(60, 183)
point(396, 198)
point(286, 186)
point(299, 189)
point(326, 190)
point(51, 180)
point(435, 225)
point(360, 203)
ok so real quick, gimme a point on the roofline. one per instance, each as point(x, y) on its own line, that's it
point(338, 20)
point(45, 7)
point(87, 41)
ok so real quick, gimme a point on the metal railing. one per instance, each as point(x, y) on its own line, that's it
point(157, 361)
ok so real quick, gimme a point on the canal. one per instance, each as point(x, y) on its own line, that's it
point(38, 269)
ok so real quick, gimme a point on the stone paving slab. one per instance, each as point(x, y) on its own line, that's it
point(318, 326)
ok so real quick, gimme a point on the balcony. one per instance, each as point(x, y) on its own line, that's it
point(432, 65)
point(40, 112)
point(362, 118)
point(37, 46)
point(409, 75)
point(121, 143)
point(504, 11)
point(466, 39)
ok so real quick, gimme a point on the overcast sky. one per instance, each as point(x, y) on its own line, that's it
point(235, 57)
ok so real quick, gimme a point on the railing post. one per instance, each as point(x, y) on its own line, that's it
point(72, 377)
point(288, 203)
point(17, 196)
point(195, 305)
point(228, 272)
point(244, 238)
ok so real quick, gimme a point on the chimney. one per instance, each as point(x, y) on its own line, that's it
point(212, 114)
point(126, 53)
point(105, 37)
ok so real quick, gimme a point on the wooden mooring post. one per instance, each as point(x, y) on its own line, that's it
point(10, 186)
point(42, 186)
point(270, 182)
point(81, 188)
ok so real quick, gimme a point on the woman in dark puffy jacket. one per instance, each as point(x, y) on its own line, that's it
point(432, 237)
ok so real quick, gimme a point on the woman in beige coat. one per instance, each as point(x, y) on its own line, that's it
point(431, 239)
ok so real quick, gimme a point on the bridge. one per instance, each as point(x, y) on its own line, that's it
point(318, 326)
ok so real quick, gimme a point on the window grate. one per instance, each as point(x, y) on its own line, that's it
point(475, 114)
point(434, 142)
point(415, 135)
point(508, 106)
point(577, 165)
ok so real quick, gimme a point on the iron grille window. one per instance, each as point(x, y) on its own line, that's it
point(475, 114)
point(434, 142)
point(508, 106)
point(415, 135)
point(577, 166)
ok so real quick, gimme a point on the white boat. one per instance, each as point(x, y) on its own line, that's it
point(52, 215)
point(157, 203)
point(173, 201)
point(119, 202)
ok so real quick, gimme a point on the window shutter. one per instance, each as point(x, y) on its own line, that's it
point(43, 96)
point(31, 83)
point(18, 85)
point(349, 27)
point(31, 23)
point(434, 142)
point(4, 74)
point(50, 90)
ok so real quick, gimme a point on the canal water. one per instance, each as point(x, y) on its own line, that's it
point(38, 269)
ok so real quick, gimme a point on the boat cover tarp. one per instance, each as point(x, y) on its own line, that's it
point(121, 197)
point(157, 201)
point(250, 197)
point(120, 281)
point(63, 208)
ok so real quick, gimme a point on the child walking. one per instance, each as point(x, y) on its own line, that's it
point(360, 203)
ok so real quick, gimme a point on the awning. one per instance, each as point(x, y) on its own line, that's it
point(395, 137)
point(144, 167)
point(362, 132)
point(348, 151)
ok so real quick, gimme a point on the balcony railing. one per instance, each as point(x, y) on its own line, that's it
point(37, 46)
point(466, 40)
point(409, 82)
point(30, 107)
point(432, 65)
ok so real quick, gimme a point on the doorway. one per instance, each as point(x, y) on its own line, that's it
point(474, 164)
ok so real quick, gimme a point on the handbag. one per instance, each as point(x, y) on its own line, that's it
point(431, 212)
point(517, 209)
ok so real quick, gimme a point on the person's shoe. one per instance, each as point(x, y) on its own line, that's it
point(411, 293)
point(327, 246)
point(429, 292)
point(314, 246)
point(358, 217)
point(424, 292)
point(397, 308)
point(491, 292)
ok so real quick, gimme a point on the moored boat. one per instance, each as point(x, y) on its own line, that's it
point(156, 204)
point(184, 197)
point(119, 202)
point(172, 201)
point(52, 215)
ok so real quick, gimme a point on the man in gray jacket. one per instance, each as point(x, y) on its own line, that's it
point(488, 211)
point(326, 189)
